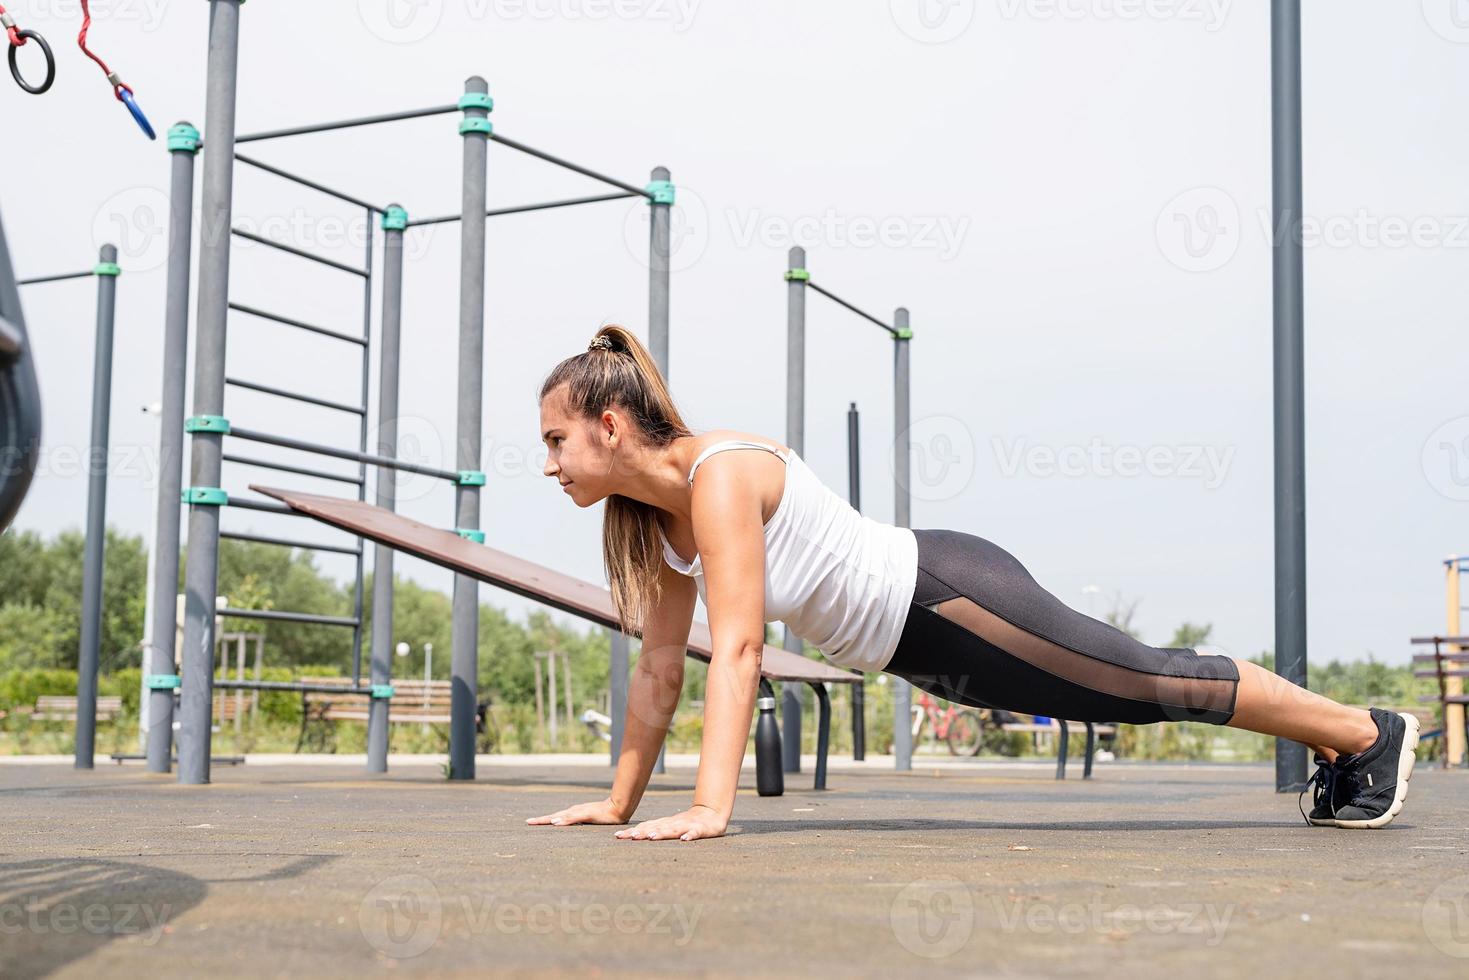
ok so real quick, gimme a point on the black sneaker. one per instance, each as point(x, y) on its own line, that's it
point(1326, 794)
point(1375, 780)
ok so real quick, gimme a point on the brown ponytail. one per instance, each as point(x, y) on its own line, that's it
point(619, 371)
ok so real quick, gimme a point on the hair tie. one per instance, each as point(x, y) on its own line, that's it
point(603, 342)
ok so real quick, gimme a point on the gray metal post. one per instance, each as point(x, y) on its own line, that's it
point(1289, 370)
point(201, 571)
point(395, 219)
point(660, 244)
point(91, 627)
point(854, 497)
point(161, 679)
point(796, 278)
point(475, 128)
point(618, 681)
point(902, 516)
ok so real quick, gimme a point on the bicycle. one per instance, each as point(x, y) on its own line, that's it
point(962, 729)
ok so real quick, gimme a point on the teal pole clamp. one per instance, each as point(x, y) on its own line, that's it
point(160, 682)
point(660, 192)
point(106, 269)
point(475, 124)
point(183, 138)
point(902, 333)
point(395, 218)
point(382, 691)
point(471, 478)
point(207, 423)
point(205, 496)
point(798, 275)
point(478, 537)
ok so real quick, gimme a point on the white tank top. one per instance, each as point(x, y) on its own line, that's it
point(841, 581)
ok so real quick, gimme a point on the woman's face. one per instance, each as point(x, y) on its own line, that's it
point(576, 451)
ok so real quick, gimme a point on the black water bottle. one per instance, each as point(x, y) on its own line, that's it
point(769, 777)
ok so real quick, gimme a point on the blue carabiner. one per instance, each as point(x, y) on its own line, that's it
point(126, 95)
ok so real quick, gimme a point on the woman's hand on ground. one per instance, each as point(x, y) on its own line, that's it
point(694, 823)
point(601, 812)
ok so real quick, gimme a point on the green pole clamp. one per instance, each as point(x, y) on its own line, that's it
point(661, 191)
point(183, 138)
point(161, 682)
point(476, 100)
point(478, 537)
point(475, 125)
point(106, 269)
point(471, 478)
point(395, 218)
point(902, 333)
point(207, 423)
point(382, 690)
point(205, 496)
point(797, 275)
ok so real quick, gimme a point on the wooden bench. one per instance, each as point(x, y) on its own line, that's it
point(413, 702)
point(63, 707)
point(1446, 664)
point(1062, 729)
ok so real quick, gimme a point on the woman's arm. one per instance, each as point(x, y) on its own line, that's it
point(730, 534)
point(654, 688)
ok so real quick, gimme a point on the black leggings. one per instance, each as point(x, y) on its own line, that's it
point(1020, 648)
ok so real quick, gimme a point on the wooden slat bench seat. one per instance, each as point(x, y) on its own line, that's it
point(63, 707)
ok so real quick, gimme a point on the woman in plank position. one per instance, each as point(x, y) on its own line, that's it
point(761, 539)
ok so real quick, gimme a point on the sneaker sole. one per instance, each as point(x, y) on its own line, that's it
point(1406, 759)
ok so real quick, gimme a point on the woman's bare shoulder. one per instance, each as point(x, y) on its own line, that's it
point(706, 439)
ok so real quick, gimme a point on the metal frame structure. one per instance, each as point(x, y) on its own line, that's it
point(105, 272)
point(208, 426)
point(1453, 722)
point(798, 280)
point(20, 397)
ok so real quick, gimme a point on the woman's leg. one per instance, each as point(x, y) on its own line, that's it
point(982, 631)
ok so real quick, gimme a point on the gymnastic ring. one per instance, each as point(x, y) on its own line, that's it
point(50, 64)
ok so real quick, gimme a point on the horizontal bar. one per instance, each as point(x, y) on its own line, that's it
point(862, 313)
point(261, 165)
point(324, 331)
point(289, 617)
point(1441, 639)
point(550, 158)
point(295, 396)
point(56, 278)
point(333, 263)
point(287, 468)
point(247, 503)
point(521, 208)
point(272, 134)
point(288, 543)
point(352, 454)
point(302, 686)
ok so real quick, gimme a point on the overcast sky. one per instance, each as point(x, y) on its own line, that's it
point(1071, 196)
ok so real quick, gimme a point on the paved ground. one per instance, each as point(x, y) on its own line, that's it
point(319, 870)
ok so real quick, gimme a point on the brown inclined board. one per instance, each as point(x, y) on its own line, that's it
point(524, 578)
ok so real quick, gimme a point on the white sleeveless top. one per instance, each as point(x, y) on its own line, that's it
point(841, 581)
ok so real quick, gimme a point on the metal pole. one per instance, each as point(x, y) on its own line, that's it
point(201, 573)
point(91, 627)
point(475, 128)
point(660, 243)
point(902, 516)
point(1289, 370)
point(854, 496)
point(359, 563)
point(618, 695)
point(149, 588)
point(796, 279)
point(394, 220)
point(160, 675)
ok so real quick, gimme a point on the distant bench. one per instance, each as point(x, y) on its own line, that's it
point(413, 702)
point(63, 707)
point(1060, 728)
point(1450, 667)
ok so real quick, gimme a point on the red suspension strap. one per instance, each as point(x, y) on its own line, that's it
point(122, 91)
